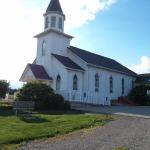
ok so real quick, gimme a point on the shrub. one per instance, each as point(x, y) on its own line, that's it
point(43, 96)
point(5, 105)
point(57, 102)
point(139, 95)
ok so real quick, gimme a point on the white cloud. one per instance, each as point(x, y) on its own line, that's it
point(22, 19)
point(80, 12)
point(143, 67)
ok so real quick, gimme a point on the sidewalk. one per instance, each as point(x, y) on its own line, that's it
point(133, 111)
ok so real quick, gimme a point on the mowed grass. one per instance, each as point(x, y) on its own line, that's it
point(14, 130)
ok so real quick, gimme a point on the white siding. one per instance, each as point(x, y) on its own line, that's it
point(58, 68)
point(56, 44)
point(83, 65)
point(104, 82)
point(70, 80)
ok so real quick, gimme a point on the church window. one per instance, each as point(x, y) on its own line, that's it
point(132, 84)
point(60, 23)
point(123, 86)
point(58, 83)
point(44, 48)
point(46, 22)
point(53, 21)
point(111, 84)
point(75, 82)
point(96, 82)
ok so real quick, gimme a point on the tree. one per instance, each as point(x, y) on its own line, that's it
point(4, 85)
point(43, 96)
point(34, 91)
point(139, 95)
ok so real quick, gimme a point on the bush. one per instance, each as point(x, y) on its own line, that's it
point(139, 95)
point(5, 105)
point(43, 96)
point(57, 102)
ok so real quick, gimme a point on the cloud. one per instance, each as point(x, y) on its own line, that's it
point(143, 67)
point(80, 12)
point(22, 19)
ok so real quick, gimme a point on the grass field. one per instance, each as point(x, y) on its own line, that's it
point(14, 130)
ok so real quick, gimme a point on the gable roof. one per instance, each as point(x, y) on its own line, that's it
point(54, 6)
point(67, 62)
point(39, 72)
point(101, 61)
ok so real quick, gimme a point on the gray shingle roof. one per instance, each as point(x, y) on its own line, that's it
point(39, 72)
point(67, 62)
point(143, 78)
point(54, 6)
point(101, 61)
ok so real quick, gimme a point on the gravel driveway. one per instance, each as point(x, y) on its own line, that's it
point(130, 132)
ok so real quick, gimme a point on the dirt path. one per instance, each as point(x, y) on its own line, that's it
point(130, 132)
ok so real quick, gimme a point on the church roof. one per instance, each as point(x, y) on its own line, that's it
point(101, 61)
point(143, 78)
point(53, 31)
point(67, 62)
point(39, 72)
point(54, 6)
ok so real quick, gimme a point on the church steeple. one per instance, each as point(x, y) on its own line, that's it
point(54, 17)
point(54, 6)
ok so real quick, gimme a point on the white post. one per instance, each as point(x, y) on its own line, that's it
point(148, 92)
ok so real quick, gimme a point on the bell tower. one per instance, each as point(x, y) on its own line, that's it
point(54, 17)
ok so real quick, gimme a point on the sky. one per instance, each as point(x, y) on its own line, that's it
point(118, 29)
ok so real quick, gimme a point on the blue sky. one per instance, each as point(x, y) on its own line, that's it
point(119, 29)
point(121, 32)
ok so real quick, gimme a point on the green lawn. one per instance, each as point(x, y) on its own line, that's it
point(14, 130)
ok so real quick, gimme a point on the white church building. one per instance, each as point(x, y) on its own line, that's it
point(76, 74)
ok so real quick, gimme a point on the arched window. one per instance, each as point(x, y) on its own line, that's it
point(44, 48)
point(58, 82)
point(75, 82)
point(122, 86)
point(132, 84)
point(96, 82)
point(111, 84)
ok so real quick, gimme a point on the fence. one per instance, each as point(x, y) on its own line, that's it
point(85, 97)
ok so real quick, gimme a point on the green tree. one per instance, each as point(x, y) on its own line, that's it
point(4, 85)
point(43, 96)
point(34, 91)
point(139, 95)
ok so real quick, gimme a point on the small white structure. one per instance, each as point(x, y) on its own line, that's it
point(148, 92)
point(78, 75)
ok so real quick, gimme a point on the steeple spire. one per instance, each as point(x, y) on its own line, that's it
point(54, 17)
point(54, 6)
